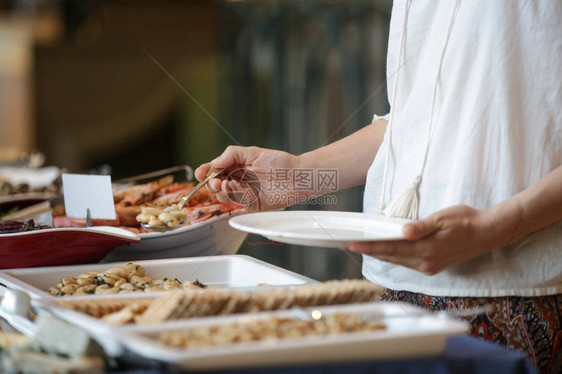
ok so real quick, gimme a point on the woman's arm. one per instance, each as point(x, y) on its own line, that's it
point(351, 157)
point(460, 233)
point(540, 205)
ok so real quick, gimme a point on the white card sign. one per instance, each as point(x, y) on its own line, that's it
point(83, 192)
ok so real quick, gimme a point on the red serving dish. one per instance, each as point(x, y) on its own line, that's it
point(61, 246)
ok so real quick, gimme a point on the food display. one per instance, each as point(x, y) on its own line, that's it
point(28, 177)
point(123, 279)
point(141, 306)
point(43, 353)
point(157, 202)
point(170, 216)
point(21, 354)
point(198, 326)
point(10, 227)
point(7, 188)
point(272, 328)
point(212, 302)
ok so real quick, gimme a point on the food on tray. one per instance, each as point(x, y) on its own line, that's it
point(123, 279)
point(106, 307)
point(28, 177)
point(211, 302)
point(272, 328)
point(157, 201)
point(188, 304)
point(30, 359)
point(12, 339)
point(8, 227)
point(125, 315)
point(170, 216)
point(46, 353)
point(7, 188)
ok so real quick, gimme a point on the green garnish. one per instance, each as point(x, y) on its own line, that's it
point(199, 284)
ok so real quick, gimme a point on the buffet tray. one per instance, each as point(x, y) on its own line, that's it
point(238, 271)
point(207, 238)
point(410, 332)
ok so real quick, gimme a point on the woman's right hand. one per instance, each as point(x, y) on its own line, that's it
point(257, 178)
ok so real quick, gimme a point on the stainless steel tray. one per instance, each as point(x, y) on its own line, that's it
point(410, 332)
point(238, 271)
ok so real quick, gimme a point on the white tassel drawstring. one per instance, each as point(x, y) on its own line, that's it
point(406, 204)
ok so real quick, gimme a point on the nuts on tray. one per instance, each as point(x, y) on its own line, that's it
point(123, 279)
point(266, 329)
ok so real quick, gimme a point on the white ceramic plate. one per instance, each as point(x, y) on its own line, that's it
point(410, 332)
point(320, 228)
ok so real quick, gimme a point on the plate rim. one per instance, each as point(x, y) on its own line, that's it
point(101, 230)
point(234, 222)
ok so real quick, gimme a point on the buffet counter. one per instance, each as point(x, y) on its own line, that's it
point(463, 355)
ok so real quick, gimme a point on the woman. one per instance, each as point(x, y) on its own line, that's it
point(472, 150)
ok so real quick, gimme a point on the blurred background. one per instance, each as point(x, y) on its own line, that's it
point(135, 86)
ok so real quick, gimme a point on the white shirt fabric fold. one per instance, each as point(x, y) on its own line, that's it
point(497, 130)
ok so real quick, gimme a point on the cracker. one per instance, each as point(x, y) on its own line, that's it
point(161, 308)
point(98, 308)
point(235, 302)
point(125, 315)
point(199, 303)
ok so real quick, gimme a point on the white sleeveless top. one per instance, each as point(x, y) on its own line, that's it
point(497, 130)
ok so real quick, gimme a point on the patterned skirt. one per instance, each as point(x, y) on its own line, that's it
point(531, 325)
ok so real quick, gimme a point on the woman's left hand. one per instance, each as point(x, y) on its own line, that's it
point(445, 238)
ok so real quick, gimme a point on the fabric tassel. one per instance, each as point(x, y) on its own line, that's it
point(406, 204)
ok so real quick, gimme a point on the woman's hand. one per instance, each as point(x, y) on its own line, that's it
point(252, 177)
point(261, 179)
point(447, 237)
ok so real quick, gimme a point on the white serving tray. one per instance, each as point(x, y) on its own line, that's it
point(237, 271)
point(411, 332)
point(208, 238)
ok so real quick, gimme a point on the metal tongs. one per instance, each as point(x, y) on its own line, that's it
point(212, 173)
